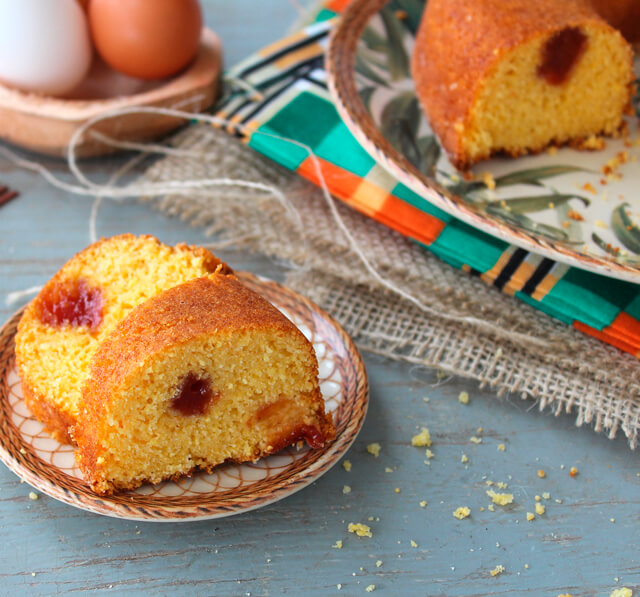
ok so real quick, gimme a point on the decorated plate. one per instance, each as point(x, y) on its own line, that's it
point(232, 488)
point(577, 207)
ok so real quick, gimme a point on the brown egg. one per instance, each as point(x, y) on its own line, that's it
point(149, 39)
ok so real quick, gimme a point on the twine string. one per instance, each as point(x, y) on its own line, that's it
point(110, 190)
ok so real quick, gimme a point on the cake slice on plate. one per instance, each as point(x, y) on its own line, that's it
point(200, 374)
point(516, 76)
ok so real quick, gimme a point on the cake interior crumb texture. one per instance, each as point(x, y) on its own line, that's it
point(259, 369)
point(53, 360)
point(515, 77)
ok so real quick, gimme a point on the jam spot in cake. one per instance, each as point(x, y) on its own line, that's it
point(73, 303)
point(194, 396)
point(309, 433)
point(560, 55)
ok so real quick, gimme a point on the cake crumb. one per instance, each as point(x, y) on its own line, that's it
point(499, 569)
point(552, 150)
point(481, 508)
point(475, 440)
point(612, 520)
point(541, 473)
point(573, 471)
point(423, 504)
point(33, 495)
point(621, 592)
point(600, 224)
point(378, 563)
point(337, 544)
point(526, 566)
point(461, 512)
point(429, 454)
point(502, 499)
point(346, 465)
point(374, 448)
point(362, 530)
point(33, 574)
point(546, 495)
point(537, 498)
point(488, 180)
point(575, 215)
point(530, 516)
point(23, 451)
point(388, 469)
point(464, 459)
point(370, 588)
point(346, 489)
point(422, 439)
point(413, 543)
point(501, 485)
point(502, 447)
point(491, 508)
point(397, 490)
point(339, 586)
point(592, 143)
point(540, 509)
point(463, 398)
point(565, 595)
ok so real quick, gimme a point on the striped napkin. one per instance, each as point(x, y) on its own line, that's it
point(281, 93)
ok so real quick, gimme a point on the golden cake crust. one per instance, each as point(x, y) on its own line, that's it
point(458, 44)
point(54, 412)
point(217, 304)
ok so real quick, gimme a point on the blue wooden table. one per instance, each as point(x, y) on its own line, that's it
point(586, 543)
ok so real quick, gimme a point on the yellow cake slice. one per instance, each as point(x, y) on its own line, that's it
point(515, 76)
point(62, 327)
point(202, 373)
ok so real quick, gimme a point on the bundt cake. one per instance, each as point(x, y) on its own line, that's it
point(62, 327)
point(203, 373)
point(496, 76)
point(623, 15)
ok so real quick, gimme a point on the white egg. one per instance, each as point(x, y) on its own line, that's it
point(44, 45)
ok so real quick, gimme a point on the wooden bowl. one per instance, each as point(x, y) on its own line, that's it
point(46, 124)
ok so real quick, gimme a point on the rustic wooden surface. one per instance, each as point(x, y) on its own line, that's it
point(586, 545)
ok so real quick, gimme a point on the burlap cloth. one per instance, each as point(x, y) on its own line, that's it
point(569, 372)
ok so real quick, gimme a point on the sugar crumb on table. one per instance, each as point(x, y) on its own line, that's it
point(621, 592)
point(374, 449)
point(502, 499)
point(461, 512)
point(422, 439)
point(361, 530)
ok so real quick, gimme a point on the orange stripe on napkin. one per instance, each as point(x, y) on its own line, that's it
point(606, 336)
point(337, 5)
point(374, 201)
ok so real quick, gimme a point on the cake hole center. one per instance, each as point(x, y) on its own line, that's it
point(194, 396)
point(72, 303)
point(560, 54)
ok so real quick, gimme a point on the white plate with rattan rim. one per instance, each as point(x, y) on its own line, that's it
point(565, 206)
point(231, 489)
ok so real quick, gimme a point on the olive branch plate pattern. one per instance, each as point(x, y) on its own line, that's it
point(581, 208)
point(50, 466)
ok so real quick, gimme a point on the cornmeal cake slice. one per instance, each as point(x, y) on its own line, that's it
point(516, 76)
point(200, 374)
point(62, 327)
